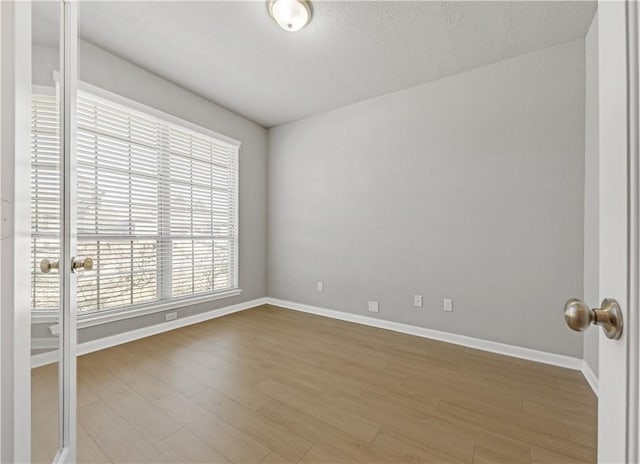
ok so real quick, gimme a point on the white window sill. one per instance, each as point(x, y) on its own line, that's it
point(99, 318)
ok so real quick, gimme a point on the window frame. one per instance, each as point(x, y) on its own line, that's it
point(111, 315)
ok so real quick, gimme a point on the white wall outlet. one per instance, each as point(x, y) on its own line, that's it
point(171, 316)
point(417, 301)
point(447, 305)
point(373, 306)
point(320, 287)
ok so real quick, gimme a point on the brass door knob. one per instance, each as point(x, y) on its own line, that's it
point(80, 264)
point(46, 265)
point(579, 316)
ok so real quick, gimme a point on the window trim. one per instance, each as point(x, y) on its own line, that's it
point(107, 316)
point(110, 97)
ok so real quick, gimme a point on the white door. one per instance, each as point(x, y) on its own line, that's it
point(617, 399)
point(618, 187)
point(52, 95)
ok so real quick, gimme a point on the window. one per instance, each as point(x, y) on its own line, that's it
point(156, 207)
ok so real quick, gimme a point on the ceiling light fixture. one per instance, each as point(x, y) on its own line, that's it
point(290, 15)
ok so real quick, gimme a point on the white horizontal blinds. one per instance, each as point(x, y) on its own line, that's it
point(118, 205)
point(156, 208)
point(45, 199)
point(202, 212)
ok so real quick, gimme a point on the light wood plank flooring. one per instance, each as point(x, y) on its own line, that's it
point(273, 386)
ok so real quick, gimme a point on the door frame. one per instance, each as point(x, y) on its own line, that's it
point(15, 232)
point(633, 216)
point(15, 317)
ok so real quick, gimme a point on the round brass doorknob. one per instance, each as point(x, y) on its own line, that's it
point(579, 316)
point(46, 265)
point(80, 264)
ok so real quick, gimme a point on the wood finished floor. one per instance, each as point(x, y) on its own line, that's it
point(270, 385)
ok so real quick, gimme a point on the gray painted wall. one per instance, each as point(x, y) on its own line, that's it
point(471, 187)
point(100, 68)
point(591, 201)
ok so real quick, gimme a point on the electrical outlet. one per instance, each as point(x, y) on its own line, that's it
point(320, 287)
point(447, 305)
point(417, 301)
point(373, 306)
point(171, 316)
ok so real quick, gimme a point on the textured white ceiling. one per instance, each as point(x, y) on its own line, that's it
point(234, 54)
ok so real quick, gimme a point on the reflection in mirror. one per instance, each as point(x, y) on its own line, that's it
point(45, 232)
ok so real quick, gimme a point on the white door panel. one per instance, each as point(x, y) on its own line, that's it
point(615, 392)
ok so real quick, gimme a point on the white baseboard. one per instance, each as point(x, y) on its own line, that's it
point(477, 343)
point(118, 339)
point(480, 344)
point(590, 376)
